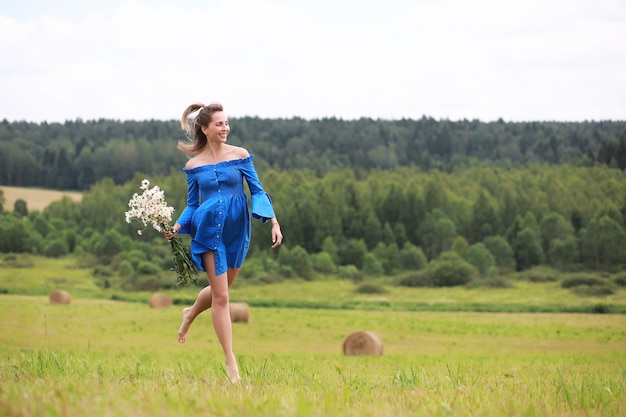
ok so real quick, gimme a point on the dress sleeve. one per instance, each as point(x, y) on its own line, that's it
point(261, 202)
point(193, 202)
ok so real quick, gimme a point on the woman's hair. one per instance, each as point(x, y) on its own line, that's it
point(192, 125)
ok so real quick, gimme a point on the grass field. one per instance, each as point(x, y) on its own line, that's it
point(101, 356)
point(36, 199)
point(110, 358)
point(46, 274)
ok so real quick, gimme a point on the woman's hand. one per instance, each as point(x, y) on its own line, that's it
point(277, 235)
point(175, 230)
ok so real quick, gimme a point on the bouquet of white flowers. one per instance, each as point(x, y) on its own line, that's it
point(151, 207)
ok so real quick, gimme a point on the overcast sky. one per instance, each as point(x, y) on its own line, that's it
point(518, 60)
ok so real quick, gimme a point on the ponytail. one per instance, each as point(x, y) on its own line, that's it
point(192, 125)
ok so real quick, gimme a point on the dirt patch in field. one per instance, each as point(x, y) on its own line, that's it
point(36, 199)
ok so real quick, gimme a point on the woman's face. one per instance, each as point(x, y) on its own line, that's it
point(218, 128)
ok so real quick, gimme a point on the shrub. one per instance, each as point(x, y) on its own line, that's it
point(540, 275)
point(600, 309)
point(266, 278)
point(23, 260)
point(579, 280)
point(370, 288)
point(135, 257)
point(412, 258)
point(415, 279)
point(371, 265)
point(501, 251)
point(147, 283)
point(102, 271)
point(252, 268)
point(620, 279)
point(593, 290)
point(479, 256)
point(349, 272)
point(490, 282)
point(148, 268)
point(126, 269)
point(299, 261)
point(55, 249)
point(323, 263)
point(450, 270)
point(286, 271)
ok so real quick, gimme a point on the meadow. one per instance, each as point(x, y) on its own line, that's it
point(103, 357)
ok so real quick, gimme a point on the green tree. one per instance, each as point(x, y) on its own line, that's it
point(564, 253)
point(372, 266)
point(330, 247)
point(554, 226)
point(299, 261)
point(388, 256)
point(437, 232)
point(527, 249)
point(412, 258)
point(461, 246)
point(485, 221)
point(604, 243)
point(352, 252)
point(501, 251)
point(323, 263)
point(479, 256)
point(20, 207)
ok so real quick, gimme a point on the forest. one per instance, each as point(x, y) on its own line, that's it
point(429, 203)
point(77, 154)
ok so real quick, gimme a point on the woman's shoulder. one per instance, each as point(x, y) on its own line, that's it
point(237, 152)
point(192, 162)
point(233, 154)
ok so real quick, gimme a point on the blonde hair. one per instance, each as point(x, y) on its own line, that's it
point(192, 125)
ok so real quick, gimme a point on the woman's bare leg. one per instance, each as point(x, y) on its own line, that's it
point(220, 313)
point(203, 302)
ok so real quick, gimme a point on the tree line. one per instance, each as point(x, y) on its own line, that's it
point(475, 220)
point(77, 154)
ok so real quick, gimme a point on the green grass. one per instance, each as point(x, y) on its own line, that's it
point(447, 351)
point(102, 357)
point(524, 296)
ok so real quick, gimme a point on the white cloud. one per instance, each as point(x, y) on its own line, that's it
point(455, 59)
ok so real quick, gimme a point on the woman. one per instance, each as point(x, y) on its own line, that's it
point(217, 217)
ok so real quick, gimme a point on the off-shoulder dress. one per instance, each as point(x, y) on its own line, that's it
point(217, 215)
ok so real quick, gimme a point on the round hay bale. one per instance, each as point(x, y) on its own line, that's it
point(363, 343)
point(160, 300)
point(60, 297)
point(239, 312)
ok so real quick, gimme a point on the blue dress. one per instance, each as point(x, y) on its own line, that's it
point(217, 215)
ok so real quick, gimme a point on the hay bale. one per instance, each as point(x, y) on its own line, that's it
point(160, 300)
point(363, 343)
point(60, 297)
point(239, 312)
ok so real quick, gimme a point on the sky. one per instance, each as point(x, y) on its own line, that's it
point(516, 60)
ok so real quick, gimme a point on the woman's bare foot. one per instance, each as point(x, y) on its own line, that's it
point(184, 327)
point(233, 374)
